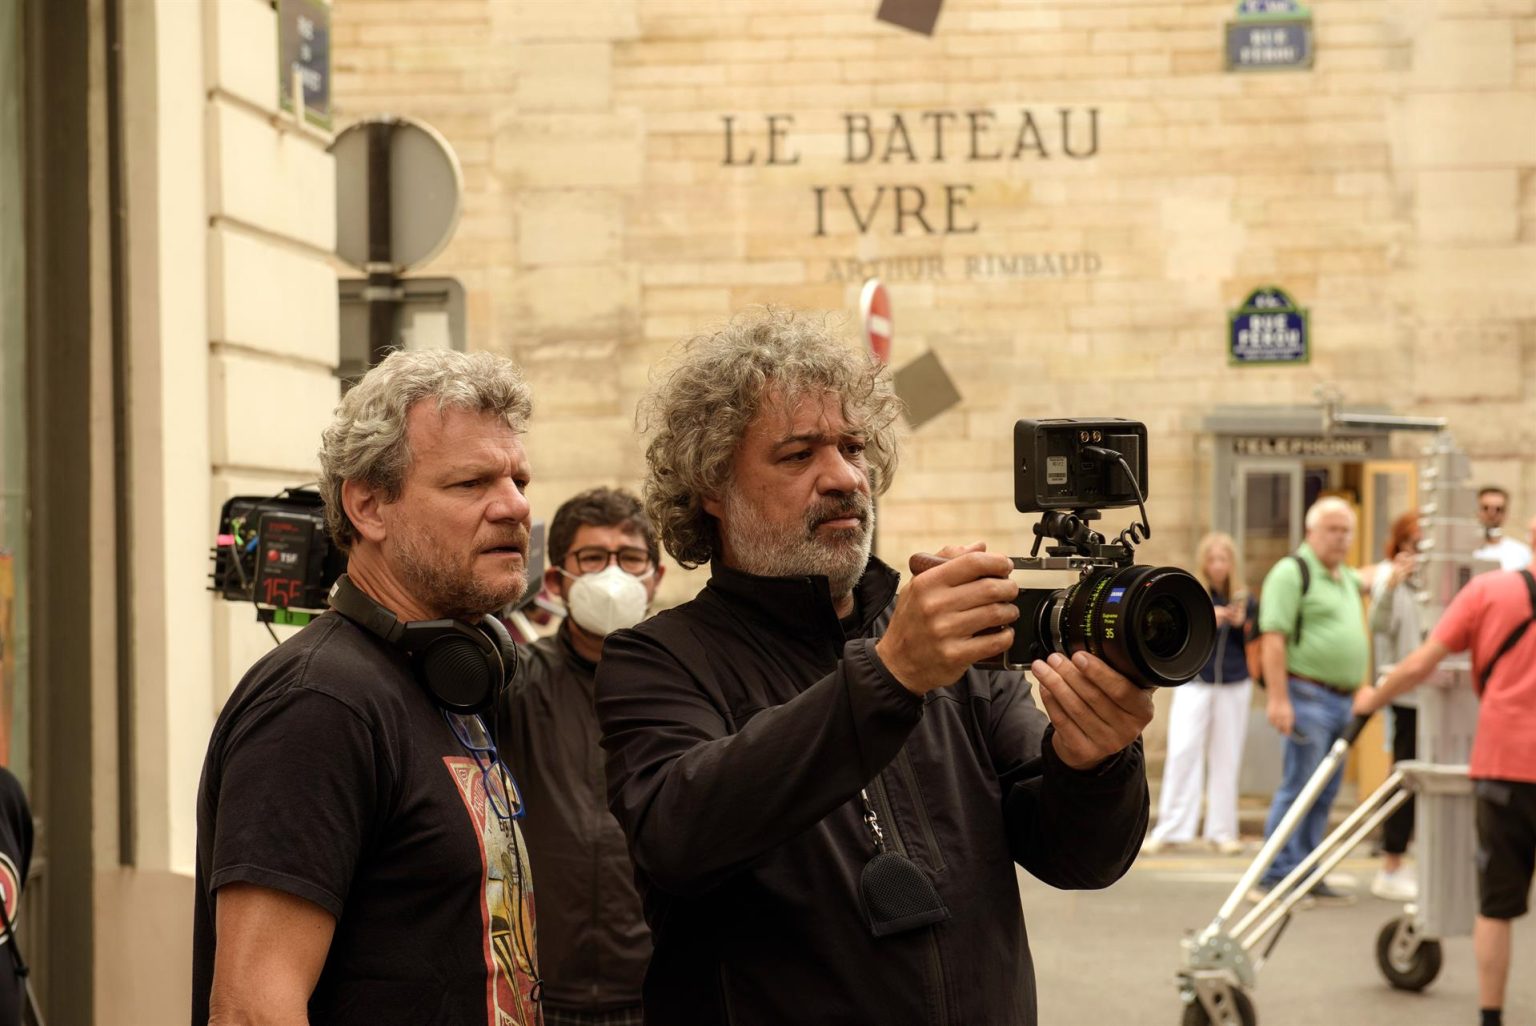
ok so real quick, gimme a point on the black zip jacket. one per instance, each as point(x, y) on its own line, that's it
point(740, 728)
point(593, 942)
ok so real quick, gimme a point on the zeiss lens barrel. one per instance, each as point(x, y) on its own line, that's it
point(1155, 625)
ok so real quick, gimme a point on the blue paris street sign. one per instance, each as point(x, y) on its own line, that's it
point(1270, 35)
point(1268, 328)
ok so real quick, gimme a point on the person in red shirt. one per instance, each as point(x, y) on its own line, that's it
point(1491, 616)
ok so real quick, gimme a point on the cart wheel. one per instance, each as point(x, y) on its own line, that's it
point(1242, 1004)
point(1413, 972)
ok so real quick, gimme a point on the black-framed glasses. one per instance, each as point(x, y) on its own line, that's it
point(591, 559)
point(501, 791)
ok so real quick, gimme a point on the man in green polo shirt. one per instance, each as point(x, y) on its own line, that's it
point(1314, 648)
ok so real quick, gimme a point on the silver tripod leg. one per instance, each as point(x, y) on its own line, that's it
point(1219, 961)
point(1287, 825)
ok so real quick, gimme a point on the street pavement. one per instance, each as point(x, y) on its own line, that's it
point(1109, 958)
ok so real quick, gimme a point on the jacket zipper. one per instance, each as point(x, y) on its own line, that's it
point(725, 994)
point(594, 780)
point(910, 778)
point(1221, 654)
point(1221, 650)
point(895, 843)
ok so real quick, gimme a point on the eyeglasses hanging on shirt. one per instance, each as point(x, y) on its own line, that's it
point(501, 791)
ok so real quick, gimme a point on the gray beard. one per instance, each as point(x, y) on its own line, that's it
point(454, 592)
point(767, 550)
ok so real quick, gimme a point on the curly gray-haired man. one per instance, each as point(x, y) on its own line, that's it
point(824, 800)
point(358, 853)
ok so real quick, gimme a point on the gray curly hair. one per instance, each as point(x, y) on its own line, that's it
point(366, 440)
point(699, 411)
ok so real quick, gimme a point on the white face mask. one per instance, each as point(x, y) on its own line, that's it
point(607, 601)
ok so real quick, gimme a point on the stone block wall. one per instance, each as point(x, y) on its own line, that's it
point(272, 309)
point(1391, 189)
point(232, 337)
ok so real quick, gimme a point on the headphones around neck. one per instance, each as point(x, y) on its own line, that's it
point(462, 666)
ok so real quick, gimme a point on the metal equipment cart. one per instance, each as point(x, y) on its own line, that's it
point(1222, 961)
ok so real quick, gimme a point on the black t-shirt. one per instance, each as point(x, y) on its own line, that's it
point(331, 775)
point(15, 857)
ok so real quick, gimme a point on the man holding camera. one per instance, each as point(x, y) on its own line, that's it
point(1492, 615)
point(593, 942)
point(1314, 650)
point(358, 856)
point(824, 799)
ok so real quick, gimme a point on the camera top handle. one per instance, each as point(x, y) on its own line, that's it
point(1077, 541)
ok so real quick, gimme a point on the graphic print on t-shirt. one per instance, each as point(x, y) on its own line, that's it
point(506, 906)
point(10, 893)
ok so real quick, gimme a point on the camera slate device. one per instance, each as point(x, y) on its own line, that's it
point(275, 552)
point(1155, 625)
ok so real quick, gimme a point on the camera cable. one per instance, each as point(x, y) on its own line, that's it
point(1135, 533)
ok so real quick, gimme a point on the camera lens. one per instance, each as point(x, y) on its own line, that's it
point(1153, 624)
point(1164, 627)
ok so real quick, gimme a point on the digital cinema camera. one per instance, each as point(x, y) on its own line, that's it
point(275, 553)
point(1155, 625)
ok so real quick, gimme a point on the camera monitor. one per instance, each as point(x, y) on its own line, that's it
point(1078, 464)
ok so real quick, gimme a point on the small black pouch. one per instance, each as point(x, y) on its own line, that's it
point(896, 896)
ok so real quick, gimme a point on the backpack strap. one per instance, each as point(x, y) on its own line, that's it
point(1306, 582)
point(1514, 635)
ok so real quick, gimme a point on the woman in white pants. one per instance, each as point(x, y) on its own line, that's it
point(1209, 718)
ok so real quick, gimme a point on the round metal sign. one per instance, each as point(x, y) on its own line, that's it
point(875, 313)
point(423, 182)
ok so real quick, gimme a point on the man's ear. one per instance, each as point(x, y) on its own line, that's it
point(554, 581)
point(363, 505)
point(714, 507)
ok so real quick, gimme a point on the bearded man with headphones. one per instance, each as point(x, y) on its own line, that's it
point(359, 858)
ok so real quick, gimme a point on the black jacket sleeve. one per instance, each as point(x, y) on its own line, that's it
point(1071, 829)
point(698, 800)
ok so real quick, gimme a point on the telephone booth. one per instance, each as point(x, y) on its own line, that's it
point(1268, 464)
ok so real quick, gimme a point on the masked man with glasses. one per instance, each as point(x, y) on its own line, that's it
point(593, 941)
point(359, 859)
point(825, 801)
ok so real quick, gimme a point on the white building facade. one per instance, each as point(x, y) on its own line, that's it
point(169, 339)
